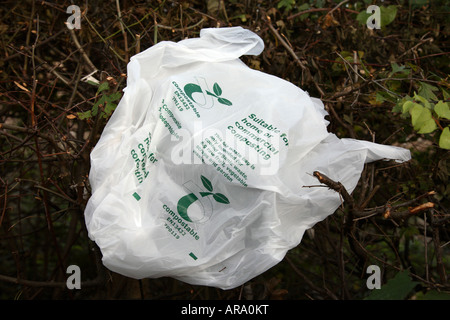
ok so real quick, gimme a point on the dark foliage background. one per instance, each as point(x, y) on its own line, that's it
point(399, 220)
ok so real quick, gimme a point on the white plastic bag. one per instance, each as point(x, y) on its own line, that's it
point(199, 173)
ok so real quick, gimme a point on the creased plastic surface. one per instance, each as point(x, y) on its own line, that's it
point(200, 172)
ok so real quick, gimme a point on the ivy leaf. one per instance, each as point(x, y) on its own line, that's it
point(399, 105)
point(399, 69)
point(408, 105)
point(225, 101)
point(433, 295)
point(442, 110)
point(444, 140)
point(426, 91)
point(424, 101)
point(422, 120)
point(428, 126)
point(387, 14)
point(397, 288)
point(362, 17)
point(206, 183)
point(221, 198)
point(217, 89)
point(445, 93)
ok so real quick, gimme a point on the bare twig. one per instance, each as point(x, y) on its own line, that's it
point(138, 43)
point(336, 186)
point(103, 39)
point(83, 53)
point(285, 44)
point(125, 38)
point(337, 6)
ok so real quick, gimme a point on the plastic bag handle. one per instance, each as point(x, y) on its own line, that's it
point(214, 45)
point(233, 42)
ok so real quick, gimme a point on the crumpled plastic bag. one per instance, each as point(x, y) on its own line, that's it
point(200, 172)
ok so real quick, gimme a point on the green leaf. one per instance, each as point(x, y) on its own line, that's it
point(433, 295)
point(217, 89)
point(99, 102)
point(102, 87)
point(408, 105)
point(442, 110)
point(397, 108)
point(221, 198)
point(422, 120)
point(446, 94)
point(84, 115)
point(225, 101)
point(399, 69)
point(444, 140)
point(304, 7)
point(396, 288)
point(382, 96)
point(206, 183)
point(427, 91)
point(418, 115)
point(319, 3)
point(114, 97)
point(109, 108)
point(362, 17)
point(399, 104)
point(387, 14)
point(428, 126)
point(287, 4)
point(424, 101)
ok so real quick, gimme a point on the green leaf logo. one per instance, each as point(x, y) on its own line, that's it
point(185, 202)
point(217, 93)
point(224, 101)
point(221, 198)
point(206, 183)
point(217, 89)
